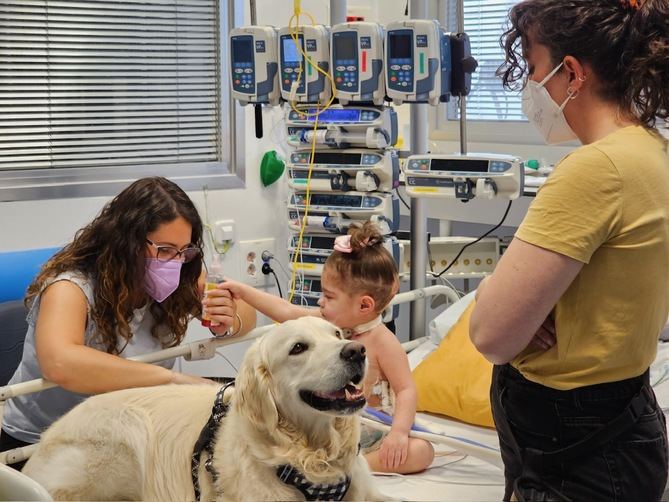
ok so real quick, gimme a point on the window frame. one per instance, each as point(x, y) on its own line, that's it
point(227, 173)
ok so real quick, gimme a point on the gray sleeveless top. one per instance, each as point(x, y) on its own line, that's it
point(27, 416)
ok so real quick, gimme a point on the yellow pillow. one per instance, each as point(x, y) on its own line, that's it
point(454, 380)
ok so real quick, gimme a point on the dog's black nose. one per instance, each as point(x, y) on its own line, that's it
point(353, 352)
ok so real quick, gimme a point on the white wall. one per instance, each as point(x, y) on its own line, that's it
point(258, 212)
point(47, 223)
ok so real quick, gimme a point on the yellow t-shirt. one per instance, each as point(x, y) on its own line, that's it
point(606, 205)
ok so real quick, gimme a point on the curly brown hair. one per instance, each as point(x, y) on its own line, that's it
point(369, 269)
point(625, 43)
point(110, 251)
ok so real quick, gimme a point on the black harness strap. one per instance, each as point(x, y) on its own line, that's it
point(311, 491)
point(206, 440)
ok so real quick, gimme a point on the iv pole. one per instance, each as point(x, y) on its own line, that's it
point(418, 139)
point(419, 135)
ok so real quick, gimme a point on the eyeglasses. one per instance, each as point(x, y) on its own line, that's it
point(169, 253)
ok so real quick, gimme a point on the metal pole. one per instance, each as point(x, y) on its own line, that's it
point(252, 7)
point(462, 100)
point(337, 12)
point(418, 138)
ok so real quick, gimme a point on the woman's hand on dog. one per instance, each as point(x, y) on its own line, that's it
point(394, 450)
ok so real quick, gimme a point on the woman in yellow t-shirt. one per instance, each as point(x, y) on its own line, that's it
point(572, 313)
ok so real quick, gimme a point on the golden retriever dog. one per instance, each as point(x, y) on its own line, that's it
point(289, 431)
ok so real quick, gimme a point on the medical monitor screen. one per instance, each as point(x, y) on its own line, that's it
point(346, 47)
point(336, 200)
point(459, 165)
point(291, 54)
point(242, 49)
point(334, 115)
point(322, 242)
point(337, 158)
point(400, 46)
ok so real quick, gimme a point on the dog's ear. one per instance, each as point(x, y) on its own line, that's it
point(254, 398)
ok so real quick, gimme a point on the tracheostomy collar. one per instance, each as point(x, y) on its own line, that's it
point(362, 328)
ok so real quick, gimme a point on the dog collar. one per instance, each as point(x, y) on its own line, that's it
point(312, 491)
point(206, 440)
point(362, 328)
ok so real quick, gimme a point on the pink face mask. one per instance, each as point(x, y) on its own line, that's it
point(161, 278)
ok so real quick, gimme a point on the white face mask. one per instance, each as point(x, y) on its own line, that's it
point(545, 113)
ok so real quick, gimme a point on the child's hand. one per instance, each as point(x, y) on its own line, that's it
point(236, 289)
point(394, 449)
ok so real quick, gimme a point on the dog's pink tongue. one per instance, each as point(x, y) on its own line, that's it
point(337, 394)
point(350, 393)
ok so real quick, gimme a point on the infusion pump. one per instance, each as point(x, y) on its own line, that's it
point(339, 127)
point(307, 290)
point(464, 176)
point(333, 213)
point(316, 248)
point(418, 62)
point(357, 62)
point(302, 50)
point(353, 169)
point(253, 65)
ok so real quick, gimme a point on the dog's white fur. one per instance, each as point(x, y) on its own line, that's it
point(137, 443)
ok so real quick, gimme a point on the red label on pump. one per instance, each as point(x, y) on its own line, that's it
point(364, 61)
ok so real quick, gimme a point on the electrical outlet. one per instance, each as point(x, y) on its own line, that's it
point(250, 253)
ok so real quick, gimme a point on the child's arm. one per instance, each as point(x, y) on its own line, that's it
point(394, 364)
point(272, 306)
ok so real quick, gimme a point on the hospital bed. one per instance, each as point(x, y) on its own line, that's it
point(463, 469)
point(454, 476)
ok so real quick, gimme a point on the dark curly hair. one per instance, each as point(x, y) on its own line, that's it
point(369, 269)
point(110, 251)
point(625, 42)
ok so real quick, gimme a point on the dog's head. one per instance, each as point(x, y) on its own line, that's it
point(301, 368)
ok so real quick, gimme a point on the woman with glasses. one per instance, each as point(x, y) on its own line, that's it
point(128, 284)
point(572, 313)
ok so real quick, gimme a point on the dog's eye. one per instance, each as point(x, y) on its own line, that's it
point(298, 348)
point(338, 334)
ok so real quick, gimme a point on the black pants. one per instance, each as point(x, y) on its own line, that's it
point(8, 442)
point(631, 466)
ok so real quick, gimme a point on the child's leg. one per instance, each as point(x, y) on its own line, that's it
point(419, 458)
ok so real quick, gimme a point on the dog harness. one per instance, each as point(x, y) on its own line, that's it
point(206, 440)
point(312, 491)
point(362, 328)
point(286, 473)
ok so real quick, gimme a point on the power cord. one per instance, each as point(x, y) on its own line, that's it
point(397, 191)
point(475, 241)
point(267, 269)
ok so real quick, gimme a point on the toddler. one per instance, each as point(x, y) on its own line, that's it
point(359, 279)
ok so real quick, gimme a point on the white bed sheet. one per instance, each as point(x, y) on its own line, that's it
point(456, 477)
point(452, 476)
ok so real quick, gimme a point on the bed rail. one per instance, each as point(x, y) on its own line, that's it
point(193, 351)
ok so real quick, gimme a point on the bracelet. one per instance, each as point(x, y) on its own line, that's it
point(228, 332)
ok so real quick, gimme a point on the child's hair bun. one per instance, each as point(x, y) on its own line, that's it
point(365, 235)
